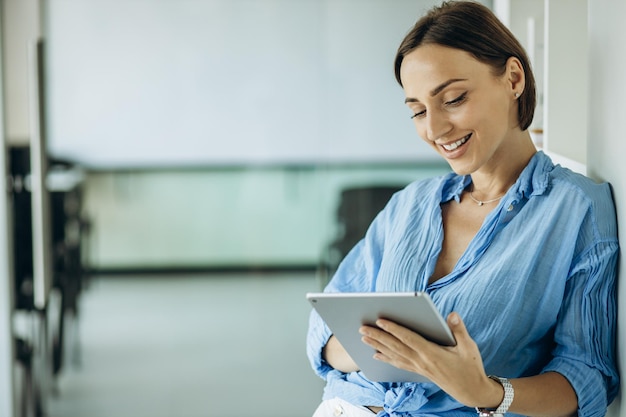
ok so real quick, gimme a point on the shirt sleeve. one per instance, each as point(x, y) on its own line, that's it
point(586, 329)
point(356, 273)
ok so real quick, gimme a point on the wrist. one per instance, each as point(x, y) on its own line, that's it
point(501, 395)
point(491, 393)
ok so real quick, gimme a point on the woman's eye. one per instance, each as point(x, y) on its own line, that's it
point(418, 114)
point(452, 103)
point(460, 99)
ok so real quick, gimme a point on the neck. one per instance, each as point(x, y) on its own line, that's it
point(493, 181)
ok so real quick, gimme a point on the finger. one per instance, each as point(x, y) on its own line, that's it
point(399, 345)
point(406, 336)
point(385, 344)
point(457, 326)
point(376, 338)
point(391, 350)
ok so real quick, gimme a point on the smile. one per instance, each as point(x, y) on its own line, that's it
point(452, 146)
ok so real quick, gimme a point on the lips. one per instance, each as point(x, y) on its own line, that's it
point(452, 146)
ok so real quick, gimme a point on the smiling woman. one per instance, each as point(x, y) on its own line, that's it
point(462, 102)
point(487, 40)
point(529, 293)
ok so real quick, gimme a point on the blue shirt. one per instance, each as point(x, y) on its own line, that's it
point(535, 287)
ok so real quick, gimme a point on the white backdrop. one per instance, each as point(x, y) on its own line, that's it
point(135, 83)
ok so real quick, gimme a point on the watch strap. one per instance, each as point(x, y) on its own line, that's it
point(509, 394)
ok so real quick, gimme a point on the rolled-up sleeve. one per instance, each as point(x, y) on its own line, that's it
point(586, 330)
point(350, 277)
point(317, 337)
point(356, 273)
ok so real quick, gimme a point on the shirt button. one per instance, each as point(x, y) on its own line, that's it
point(338, 411)
point(510, 208)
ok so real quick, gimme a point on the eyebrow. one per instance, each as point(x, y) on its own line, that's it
point(436, 90)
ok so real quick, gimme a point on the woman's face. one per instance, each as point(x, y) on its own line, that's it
point(459, 107)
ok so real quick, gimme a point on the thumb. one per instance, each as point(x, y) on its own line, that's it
point(457, 327)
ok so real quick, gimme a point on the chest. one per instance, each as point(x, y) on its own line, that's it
point(461, 221)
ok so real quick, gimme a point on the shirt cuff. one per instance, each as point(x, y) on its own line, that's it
point(317, 337)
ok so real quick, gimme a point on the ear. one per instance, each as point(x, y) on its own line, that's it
point(515, 75)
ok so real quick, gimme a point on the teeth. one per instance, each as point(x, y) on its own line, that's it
point(456, 144)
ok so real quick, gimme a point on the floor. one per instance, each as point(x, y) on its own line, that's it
point(189, 347)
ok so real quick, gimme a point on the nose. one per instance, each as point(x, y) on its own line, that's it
point(437, 125)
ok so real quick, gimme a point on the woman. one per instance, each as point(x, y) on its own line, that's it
point(518, 253)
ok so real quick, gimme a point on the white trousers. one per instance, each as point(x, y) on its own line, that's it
point(341, 408)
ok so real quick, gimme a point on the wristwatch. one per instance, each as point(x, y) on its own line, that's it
point(509, 393)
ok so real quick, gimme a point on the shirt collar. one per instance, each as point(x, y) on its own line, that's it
point(534, 180)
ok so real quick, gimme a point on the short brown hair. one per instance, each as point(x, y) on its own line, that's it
point(473, 28)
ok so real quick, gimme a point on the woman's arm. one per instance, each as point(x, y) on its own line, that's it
point(459, 370)
point(337, 357)
point(548, 394)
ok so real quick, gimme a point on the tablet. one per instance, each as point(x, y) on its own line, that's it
point(344, 313)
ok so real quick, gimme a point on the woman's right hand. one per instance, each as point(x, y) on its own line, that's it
point(337, 357)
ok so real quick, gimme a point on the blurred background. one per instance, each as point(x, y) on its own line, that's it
point(182, 172)
point(196, 167)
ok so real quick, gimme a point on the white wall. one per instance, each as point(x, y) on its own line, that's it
point(160, 82)
point(566, 68)
point(525, 18)
point(606, 135)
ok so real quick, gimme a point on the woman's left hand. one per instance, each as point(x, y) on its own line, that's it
point(458, 370)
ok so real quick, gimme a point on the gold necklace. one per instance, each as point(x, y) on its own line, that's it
point(481, 202)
